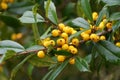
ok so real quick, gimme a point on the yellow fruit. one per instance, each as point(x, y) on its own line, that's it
point(61, 26)
point(55, 33)
point(70, 47)
point(109, 25)
point(101, 26)
point(52, 42)
point(60, 58)
point(75, 41)
point(11, 1)
point(105, 21)
point(41, 54)
point(72, 61)
point(88, 31)
point(74, 50)
point(19, 35)
point(14, 36)
point(46, 43)
point(94, 37)
point(59, 49)
point(47, 39)
point(65, 46)
point(4, 5)
point(85, 37)
point(60, 41)
point(102, 38)
point(64, 35)
point(68, 30)
point(95, 16)
point(118, 44)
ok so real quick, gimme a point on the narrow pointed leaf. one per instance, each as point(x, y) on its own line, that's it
point(115, 16)
point(112, 2)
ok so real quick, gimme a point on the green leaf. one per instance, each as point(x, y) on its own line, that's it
point(14, 71)
point(112, 2)
point(30, 69)
point(102, 13)
point(115, 16)
point(116, 26)
point(82, 64)
point(10, 21)
point(10, 45)
point(46, 76)
point(51, 11)
point(35, 47)
point(57, 71)
point(87, 9)
point(28, 17)
point(108, 51)
point(80, 22)
point(9, 54)
point(41, 62)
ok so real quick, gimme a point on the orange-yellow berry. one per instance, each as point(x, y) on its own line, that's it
point(52, 42)
point(61, 26)
point(19, 35)
point(64, 35)
point(75, 42)
point(118, 44)
point(46, 43)
point(4, 5)
point(60, 41)
point(74, 50)
point(41, 54)
point(109, 25)
point(94, 37)
point(60, 58)
point(101, 26)
point(85, 37)
point(55, 33)
point(102, 38)
point(65, 46)
point(72, 61)
point(95, 16)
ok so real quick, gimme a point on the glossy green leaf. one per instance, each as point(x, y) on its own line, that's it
point(35, 47)
point(10, 45)
point(41, 62)
point(82, 64)
point(115, 16)
point(102, 13)
point(80, 22)
point(15, 70)
point(112, 2)
point(108, 51)
point(9, 54)
point(10, 21)
point(116, 26)
point(87, 9)
point(51, 11)
point(28, 17)
point(57, 71)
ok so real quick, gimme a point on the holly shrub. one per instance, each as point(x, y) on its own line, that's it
point(82, 37)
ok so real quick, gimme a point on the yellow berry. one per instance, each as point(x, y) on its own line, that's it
point(52, 42)
point(14, 36)
point(101, 26)
point(72, 61)
point(55, 33)
point(11, 1)
point(61, 26)
point(41, 54)
point(73, 32)
point(85, 37)
point(118, 44)
point(70, 47)
point(74, 50)
point(95, 16)
point(19, 35)
point(4, 5)
point(104, 20)
point(60, 58)
point(46, 43)
point(59, 49)
point(60, 41)
point(64, 35)
point(65, 46)
point(94, 37)
point(109, 25)
point(68, 30)
point(88, 31)
point(75, 41)
point(102, 38)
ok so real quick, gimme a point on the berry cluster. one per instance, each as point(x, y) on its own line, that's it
point(63, 32)
point(4, 4)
